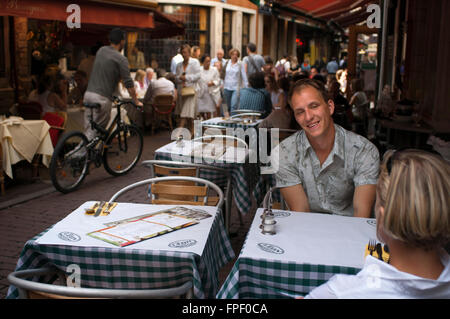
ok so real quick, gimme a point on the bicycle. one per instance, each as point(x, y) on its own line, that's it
point(118, 147)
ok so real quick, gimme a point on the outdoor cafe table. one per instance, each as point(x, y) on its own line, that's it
point(22, 139)
point(234, 160)
point(193, 253)
point(306, 251)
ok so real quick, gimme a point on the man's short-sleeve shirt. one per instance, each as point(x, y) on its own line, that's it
point(353, 161)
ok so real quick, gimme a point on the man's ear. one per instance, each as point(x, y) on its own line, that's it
point(331, 106)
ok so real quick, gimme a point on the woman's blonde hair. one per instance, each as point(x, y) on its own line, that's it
point(234, 50)
point(414, 189)
point(140, 75)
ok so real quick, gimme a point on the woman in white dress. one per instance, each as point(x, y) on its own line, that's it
point(208, 102)
point(187, 76)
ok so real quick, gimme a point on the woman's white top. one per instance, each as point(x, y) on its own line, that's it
point(232, 81)
point(42, 99)
point(211, 75)
point(378, 279)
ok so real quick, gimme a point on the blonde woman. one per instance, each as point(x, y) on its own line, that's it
point(413, 220)
point(235, 79)
point(139, 83)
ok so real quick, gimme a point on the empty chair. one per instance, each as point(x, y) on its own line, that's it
point(171, 168)
point(163, 106)
point(39, 290)
point(237, 112)
point(57, 121)
point(160, 191)
point(247, 115)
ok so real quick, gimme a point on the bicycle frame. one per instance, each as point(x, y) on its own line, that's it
point(105, 133)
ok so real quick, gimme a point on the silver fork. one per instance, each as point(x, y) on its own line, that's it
point(372, 246)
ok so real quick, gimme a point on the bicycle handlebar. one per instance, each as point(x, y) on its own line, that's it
point(120, 102)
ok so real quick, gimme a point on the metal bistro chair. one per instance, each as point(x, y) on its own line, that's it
point(163, 106)
point(250, 115)
point(160, 191)
point(172, 168)
point(38, 290)
point(237, 112)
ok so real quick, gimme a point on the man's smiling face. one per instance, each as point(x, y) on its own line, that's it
point(312, 112)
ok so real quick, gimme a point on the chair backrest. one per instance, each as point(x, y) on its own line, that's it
point(32, 289)
point(163, 103)
point(171, 167)
point(30, 110)
point(237, 112)
point(252, 115)
point(200, 191)
point(57, 121)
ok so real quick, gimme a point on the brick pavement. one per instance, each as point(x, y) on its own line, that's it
point(22, 221)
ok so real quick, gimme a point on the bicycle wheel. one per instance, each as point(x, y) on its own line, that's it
point(122, 150)
point(69, 163)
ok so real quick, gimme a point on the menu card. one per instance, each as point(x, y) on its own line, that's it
point(132, 230)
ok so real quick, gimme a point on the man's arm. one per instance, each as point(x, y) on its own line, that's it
point(295, 198)
point(132, 92)
point(363, 200)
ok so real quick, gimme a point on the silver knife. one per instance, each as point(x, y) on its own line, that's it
point(99, 209)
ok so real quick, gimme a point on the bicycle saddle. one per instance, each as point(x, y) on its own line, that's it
point(92, 105)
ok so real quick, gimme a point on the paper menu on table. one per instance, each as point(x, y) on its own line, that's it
point(136, 230)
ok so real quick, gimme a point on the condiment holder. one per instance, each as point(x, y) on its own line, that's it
point(268, 220)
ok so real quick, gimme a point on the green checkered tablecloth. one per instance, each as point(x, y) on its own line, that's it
point(306, 250)
point(265, 182)
point(240, 181)
point(136, 268)
point(264, 279)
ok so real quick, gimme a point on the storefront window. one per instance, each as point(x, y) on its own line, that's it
point(159, 52)
point(226, 31)
point(245, 33)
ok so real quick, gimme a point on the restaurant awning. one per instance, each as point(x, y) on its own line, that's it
point(128, 14)
point(341, 12)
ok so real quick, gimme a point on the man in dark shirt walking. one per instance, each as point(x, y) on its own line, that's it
point(109, 68)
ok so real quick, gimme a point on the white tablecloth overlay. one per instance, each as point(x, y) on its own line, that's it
point(185, 148)
point(311, 238)
point(81, 224)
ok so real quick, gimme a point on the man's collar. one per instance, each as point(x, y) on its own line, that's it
point(338, 147)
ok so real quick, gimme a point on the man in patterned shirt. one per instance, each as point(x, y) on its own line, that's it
point(324, 168)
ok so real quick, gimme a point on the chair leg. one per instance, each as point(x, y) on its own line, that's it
point(35, 164)
point(170, 122)
point(2, 182)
